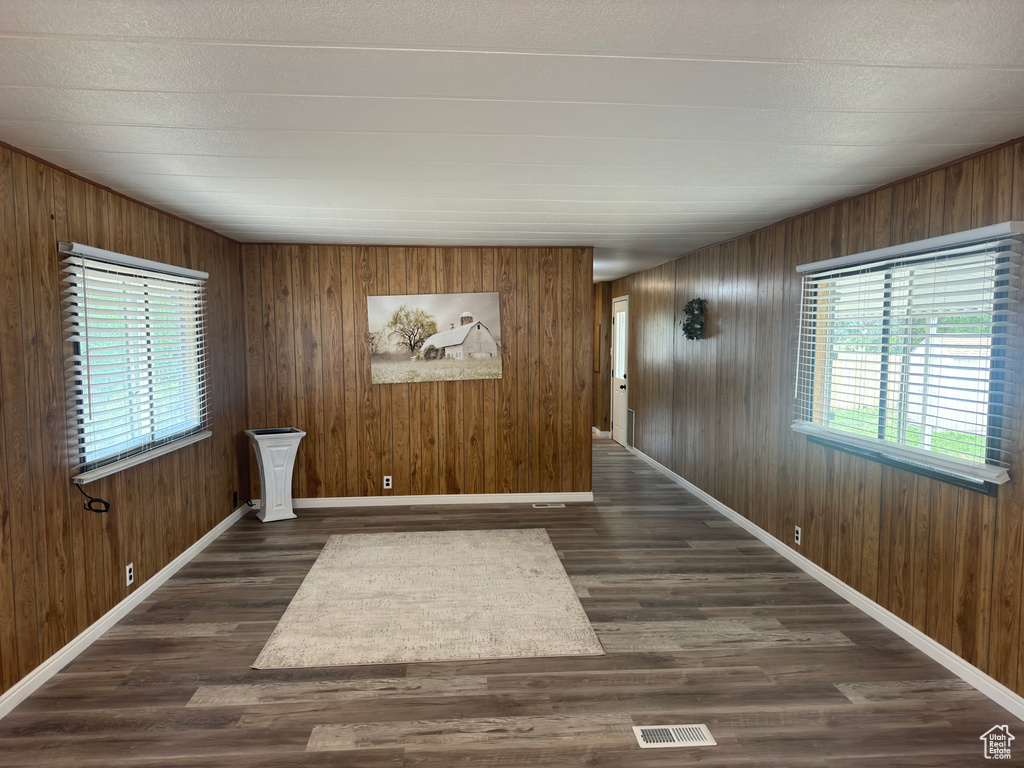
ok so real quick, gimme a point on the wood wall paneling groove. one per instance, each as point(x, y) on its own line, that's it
point(946, 560)
point(61, 567)
point(602, 301)
point(307, 362)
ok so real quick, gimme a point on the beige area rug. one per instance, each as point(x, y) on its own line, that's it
point(385, 598)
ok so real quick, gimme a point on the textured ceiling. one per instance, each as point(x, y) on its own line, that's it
point(644, 129)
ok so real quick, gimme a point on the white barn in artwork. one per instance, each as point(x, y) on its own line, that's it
point(470, 339)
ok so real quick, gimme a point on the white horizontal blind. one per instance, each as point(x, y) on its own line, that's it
point(907, 356)
point(137, 378)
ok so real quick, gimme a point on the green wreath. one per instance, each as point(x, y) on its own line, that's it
point(693, 324)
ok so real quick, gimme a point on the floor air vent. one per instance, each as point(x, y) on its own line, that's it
point(549, 505)
point(657, 736)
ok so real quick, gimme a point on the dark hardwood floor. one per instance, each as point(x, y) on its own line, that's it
point(701, 622)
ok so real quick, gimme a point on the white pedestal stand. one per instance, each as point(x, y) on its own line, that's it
point(275, 453)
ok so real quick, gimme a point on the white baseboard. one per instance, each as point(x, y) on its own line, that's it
point(451, 499)
point(34, 679)
point(599, 433)
point(989, 686)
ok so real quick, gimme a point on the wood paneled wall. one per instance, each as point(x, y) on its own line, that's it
point(308, 362)
point(718, 412)
point(61, 567)
point(602, 356)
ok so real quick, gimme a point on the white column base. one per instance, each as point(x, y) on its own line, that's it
point(275, 453)
point(272, 515)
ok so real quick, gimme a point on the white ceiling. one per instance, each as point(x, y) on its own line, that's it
point(643, 128)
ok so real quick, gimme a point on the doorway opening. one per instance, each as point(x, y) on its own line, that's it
point(620, 357)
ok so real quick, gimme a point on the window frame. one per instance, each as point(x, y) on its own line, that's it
point(79, 259)
point(984, 477)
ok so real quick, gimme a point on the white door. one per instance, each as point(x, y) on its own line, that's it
point(620, 349)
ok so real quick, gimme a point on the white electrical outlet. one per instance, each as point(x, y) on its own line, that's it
point(387, 482)
point(129, 573)
point(796, 536)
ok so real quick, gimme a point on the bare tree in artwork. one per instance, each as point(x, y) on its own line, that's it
point(412, 327)
point(378, 343)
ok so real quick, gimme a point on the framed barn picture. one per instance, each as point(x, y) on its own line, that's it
point(434, 337)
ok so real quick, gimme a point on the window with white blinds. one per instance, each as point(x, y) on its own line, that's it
point(903, 353)
point(136, 381)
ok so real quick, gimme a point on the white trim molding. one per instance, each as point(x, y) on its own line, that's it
point(34, 679)
point(989, 686)
point(942, 242)
point(599, 433)
point(139, 458)
point(113, 257)
point(448, 498)
point(975, 473)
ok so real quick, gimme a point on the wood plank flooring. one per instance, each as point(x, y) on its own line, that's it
point(702, 623)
